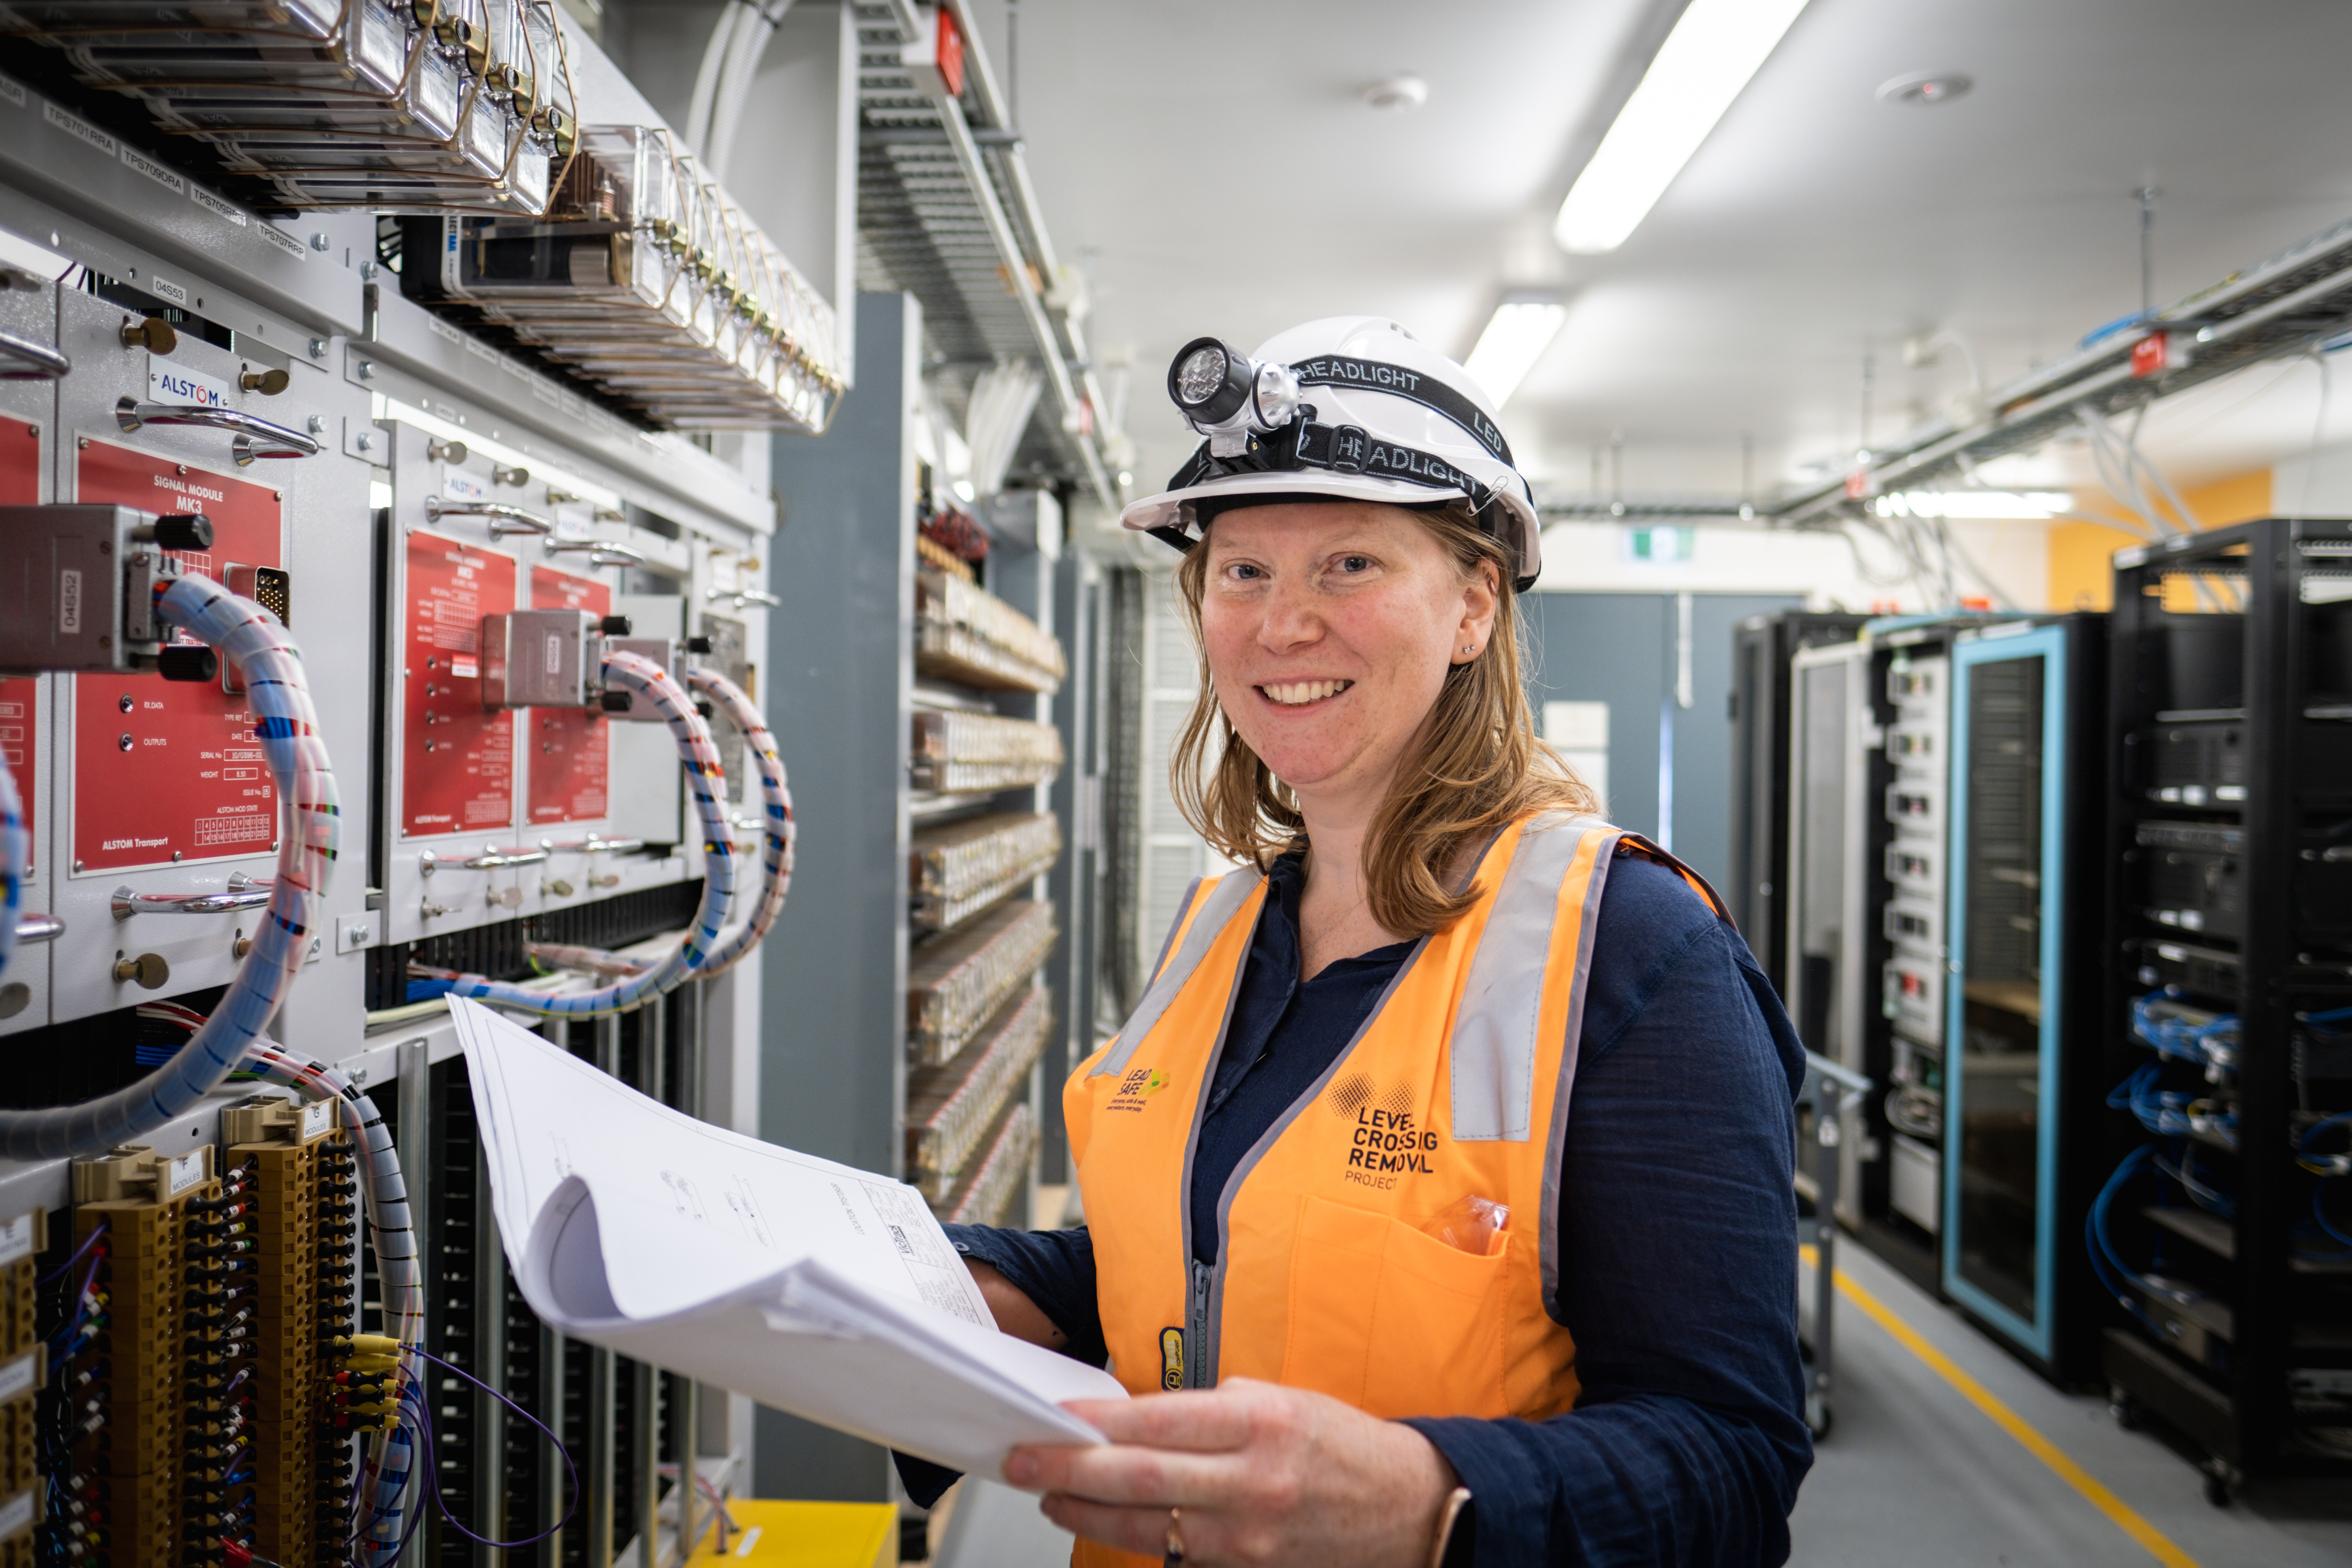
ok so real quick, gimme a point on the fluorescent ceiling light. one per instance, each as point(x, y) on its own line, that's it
point(1515, 337)
point(1974, 504)
point(1705, 62)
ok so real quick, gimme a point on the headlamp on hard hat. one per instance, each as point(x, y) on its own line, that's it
point(1227, 396)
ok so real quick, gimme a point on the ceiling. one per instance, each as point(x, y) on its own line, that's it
point(1215, 169)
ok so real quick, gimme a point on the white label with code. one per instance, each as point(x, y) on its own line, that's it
point(186, 1172)
point(16, 1377)
point(15, 1515)
point(318, 1117)
point(16, 1238)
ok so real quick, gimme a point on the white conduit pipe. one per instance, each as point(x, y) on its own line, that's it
point(699, 754)
point(256, 643)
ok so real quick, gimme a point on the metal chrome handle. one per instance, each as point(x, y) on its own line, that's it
point(39, 928)
point(744, 597)
point(243, 892)
point(133, 414)
point(592, 845)
point(504, 519)
point(488, 860)
point(22, 359)
point(601, 552)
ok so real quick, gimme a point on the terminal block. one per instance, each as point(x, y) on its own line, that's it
point(166, 1276)
point(302, 1199)
point(23, 1368)
point(78, 589)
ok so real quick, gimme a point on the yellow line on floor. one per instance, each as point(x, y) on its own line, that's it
point(2125, 1516)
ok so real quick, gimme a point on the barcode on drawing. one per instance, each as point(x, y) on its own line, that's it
point(899, 1237)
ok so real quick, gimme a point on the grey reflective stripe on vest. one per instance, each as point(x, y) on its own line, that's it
point(1494, 1047)
point(1548, 1234)
point(1232, 889)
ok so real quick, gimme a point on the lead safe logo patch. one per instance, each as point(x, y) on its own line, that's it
point(1136, 1089)
point(1388, 1142)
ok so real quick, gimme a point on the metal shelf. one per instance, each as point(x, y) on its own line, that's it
point(946, 212)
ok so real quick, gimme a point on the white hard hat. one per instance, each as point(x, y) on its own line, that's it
point(1345, 408)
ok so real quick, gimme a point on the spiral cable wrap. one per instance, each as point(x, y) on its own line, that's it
point(779, 832)
point(309, 828)
point(699, 754)
point(15, 845)
point(384, 1195)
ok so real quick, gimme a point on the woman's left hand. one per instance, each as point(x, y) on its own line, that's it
point(1261, 1474)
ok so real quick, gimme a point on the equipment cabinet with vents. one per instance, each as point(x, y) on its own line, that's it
point(2223, 1232)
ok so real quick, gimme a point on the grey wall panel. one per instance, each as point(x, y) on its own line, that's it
point(839, 696)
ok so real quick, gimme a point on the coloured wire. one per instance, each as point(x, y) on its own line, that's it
point(384, 1196)
point(2105, 1262)
point(432, 1468)
point(2214, 1043)
point(699, 755)
point(15, 845)
point(256, 642)
point(778, 831)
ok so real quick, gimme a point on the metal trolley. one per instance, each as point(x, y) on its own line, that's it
point(1830, 1095)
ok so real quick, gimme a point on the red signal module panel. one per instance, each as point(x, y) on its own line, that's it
point(169, 771)
point(570, 751)
point(457, 757)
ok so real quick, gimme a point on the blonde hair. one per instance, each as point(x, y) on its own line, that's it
point(1475, 766)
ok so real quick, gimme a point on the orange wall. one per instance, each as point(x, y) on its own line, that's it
point(2082, 553)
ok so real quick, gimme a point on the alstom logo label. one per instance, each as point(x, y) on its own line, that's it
point(169, 383)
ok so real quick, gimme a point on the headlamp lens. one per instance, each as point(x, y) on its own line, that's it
point(1199, 376)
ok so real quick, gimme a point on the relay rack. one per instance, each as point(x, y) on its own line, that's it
point(413, 646)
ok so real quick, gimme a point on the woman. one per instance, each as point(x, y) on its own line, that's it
point(1384, 1300)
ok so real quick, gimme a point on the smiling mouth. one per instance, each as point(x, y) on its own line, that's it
point(1299, 693)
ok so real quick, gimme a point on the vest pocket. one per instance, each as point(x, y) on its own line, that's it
point(1391, 1321)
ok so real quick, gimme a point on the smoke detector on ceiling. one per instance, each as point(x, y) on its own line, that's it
point(1397, 94)
point(1924, 89)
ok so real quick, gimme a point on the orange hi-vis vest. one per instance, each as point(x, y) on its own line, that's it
point(1327, 1276)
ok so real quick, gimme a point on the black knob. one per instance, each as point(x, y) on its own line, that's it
point(616, 702)
point(706, 710)
point(181, 661)
point(184, 531)
point(697, 645)
point(614, 625)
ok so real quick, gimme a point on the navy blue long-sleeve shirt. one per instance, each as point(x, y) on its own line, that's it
point(1677, 1238)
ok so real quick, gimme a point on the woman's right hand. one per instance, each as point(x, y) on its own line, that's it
point(1015, 1313)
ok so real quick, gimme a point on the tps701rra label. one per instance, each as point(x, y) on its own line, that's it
point(457, 757)
point(568, 752)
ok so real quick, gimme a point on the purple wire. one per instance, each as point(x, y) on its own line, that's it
point(571, 1471)
point(88, 1242)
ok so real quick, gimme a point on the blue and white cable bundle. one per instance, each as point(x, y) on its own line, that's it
point(699, 754)
point(778, 832)
point(15, 847)
point(256, 642)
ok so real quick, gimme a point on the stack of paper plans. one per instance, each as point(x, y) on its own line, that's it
point(811, 1287)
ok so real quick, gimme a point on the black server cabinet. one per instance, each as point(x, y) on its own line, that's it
point(2223, 1230)
point(2024, 1083)
point(1757, 879)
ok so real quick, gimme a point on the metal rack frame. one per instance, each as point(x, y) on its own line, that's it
point(2295, 767)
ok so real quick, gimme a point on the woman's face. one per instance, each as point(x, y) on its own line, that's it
point(1329, 627)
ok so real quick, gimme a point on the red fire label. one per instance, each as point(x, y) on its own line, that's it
point(20, 485)
point(169, 771)
point(457, 757)
point(570, 754)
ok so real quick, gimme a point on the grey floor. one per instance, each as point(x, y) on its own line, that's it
point(1915, 1476)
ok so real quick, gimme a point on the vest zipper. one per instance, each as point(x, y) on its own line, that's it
point(1200, 1365)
